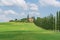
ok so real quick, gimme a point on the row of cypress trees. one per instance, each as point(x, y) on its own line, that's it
point(50, 22)
point(57, 21)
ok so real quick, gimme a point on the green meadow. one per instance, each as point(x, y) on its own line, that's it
point(25, 31)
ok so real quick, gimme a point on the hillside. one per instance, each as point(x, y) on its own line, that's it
point(12, 26)
point(25, 31)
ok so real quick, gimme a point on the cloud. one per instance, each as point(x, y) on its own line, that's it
point(21, 3)
point(33, 7)
point(33, 10)
point(6, 15)
point(6, 12)
point(3, 18)
point(50, 2)
point(22, 15)
point(6, 2)
point(35, 14)
point(0, 11)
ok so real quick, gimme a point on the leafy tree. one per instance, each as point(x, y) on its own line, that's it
point(11, 21)
point(24, 20)
point(16, 20)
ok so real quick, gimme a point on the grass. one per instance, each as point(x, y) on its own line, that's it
point(19, 27)
point(25, 31)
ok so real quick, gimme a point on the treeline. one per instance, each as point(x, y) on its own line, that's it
point(46, 22)
point(21, 20)
point(50, 22)
point(28, 19)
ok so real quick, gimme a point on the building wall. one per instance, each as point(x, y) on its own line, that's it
point(31, 20)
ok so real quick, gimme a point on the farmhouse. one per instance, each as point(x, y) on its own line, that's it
point(31, 19)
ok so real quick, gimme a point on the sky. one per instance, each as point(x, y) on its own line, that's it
point(17, 9)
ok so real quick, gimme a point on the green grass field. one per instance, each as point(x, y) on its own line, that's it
point(25, 31)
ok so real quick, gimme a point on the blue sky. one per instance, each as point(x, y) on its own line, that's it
point(12, 9)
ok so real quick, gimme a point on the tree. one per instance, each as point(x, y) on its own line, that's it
point(24, 20)
point(51, 22)
point(28, 18)
point(15, 19)
point(46, 22)
point(58, 21)
point(11, 20)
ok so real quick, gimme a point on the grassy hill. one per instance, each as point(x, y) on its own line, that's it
point(14, 26)
point(25, 31)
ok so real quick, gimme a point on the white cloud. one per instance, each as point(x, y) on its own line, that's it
point(6, 12)
point(33, 10)
point(0, 11)
point(3, 18)
point(36, 14)
point(6, 2)
point(22, 15)
point(33, 7)
point(21, 3)
point(50, 2)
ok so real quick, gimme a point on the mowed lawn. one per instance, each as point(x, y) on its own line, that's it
point(25, 31)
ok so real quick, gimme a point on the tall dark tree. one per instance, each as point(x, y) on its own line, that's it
point(28, 17)
point(58, 20)
point(16, 20)
point(51, 21)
